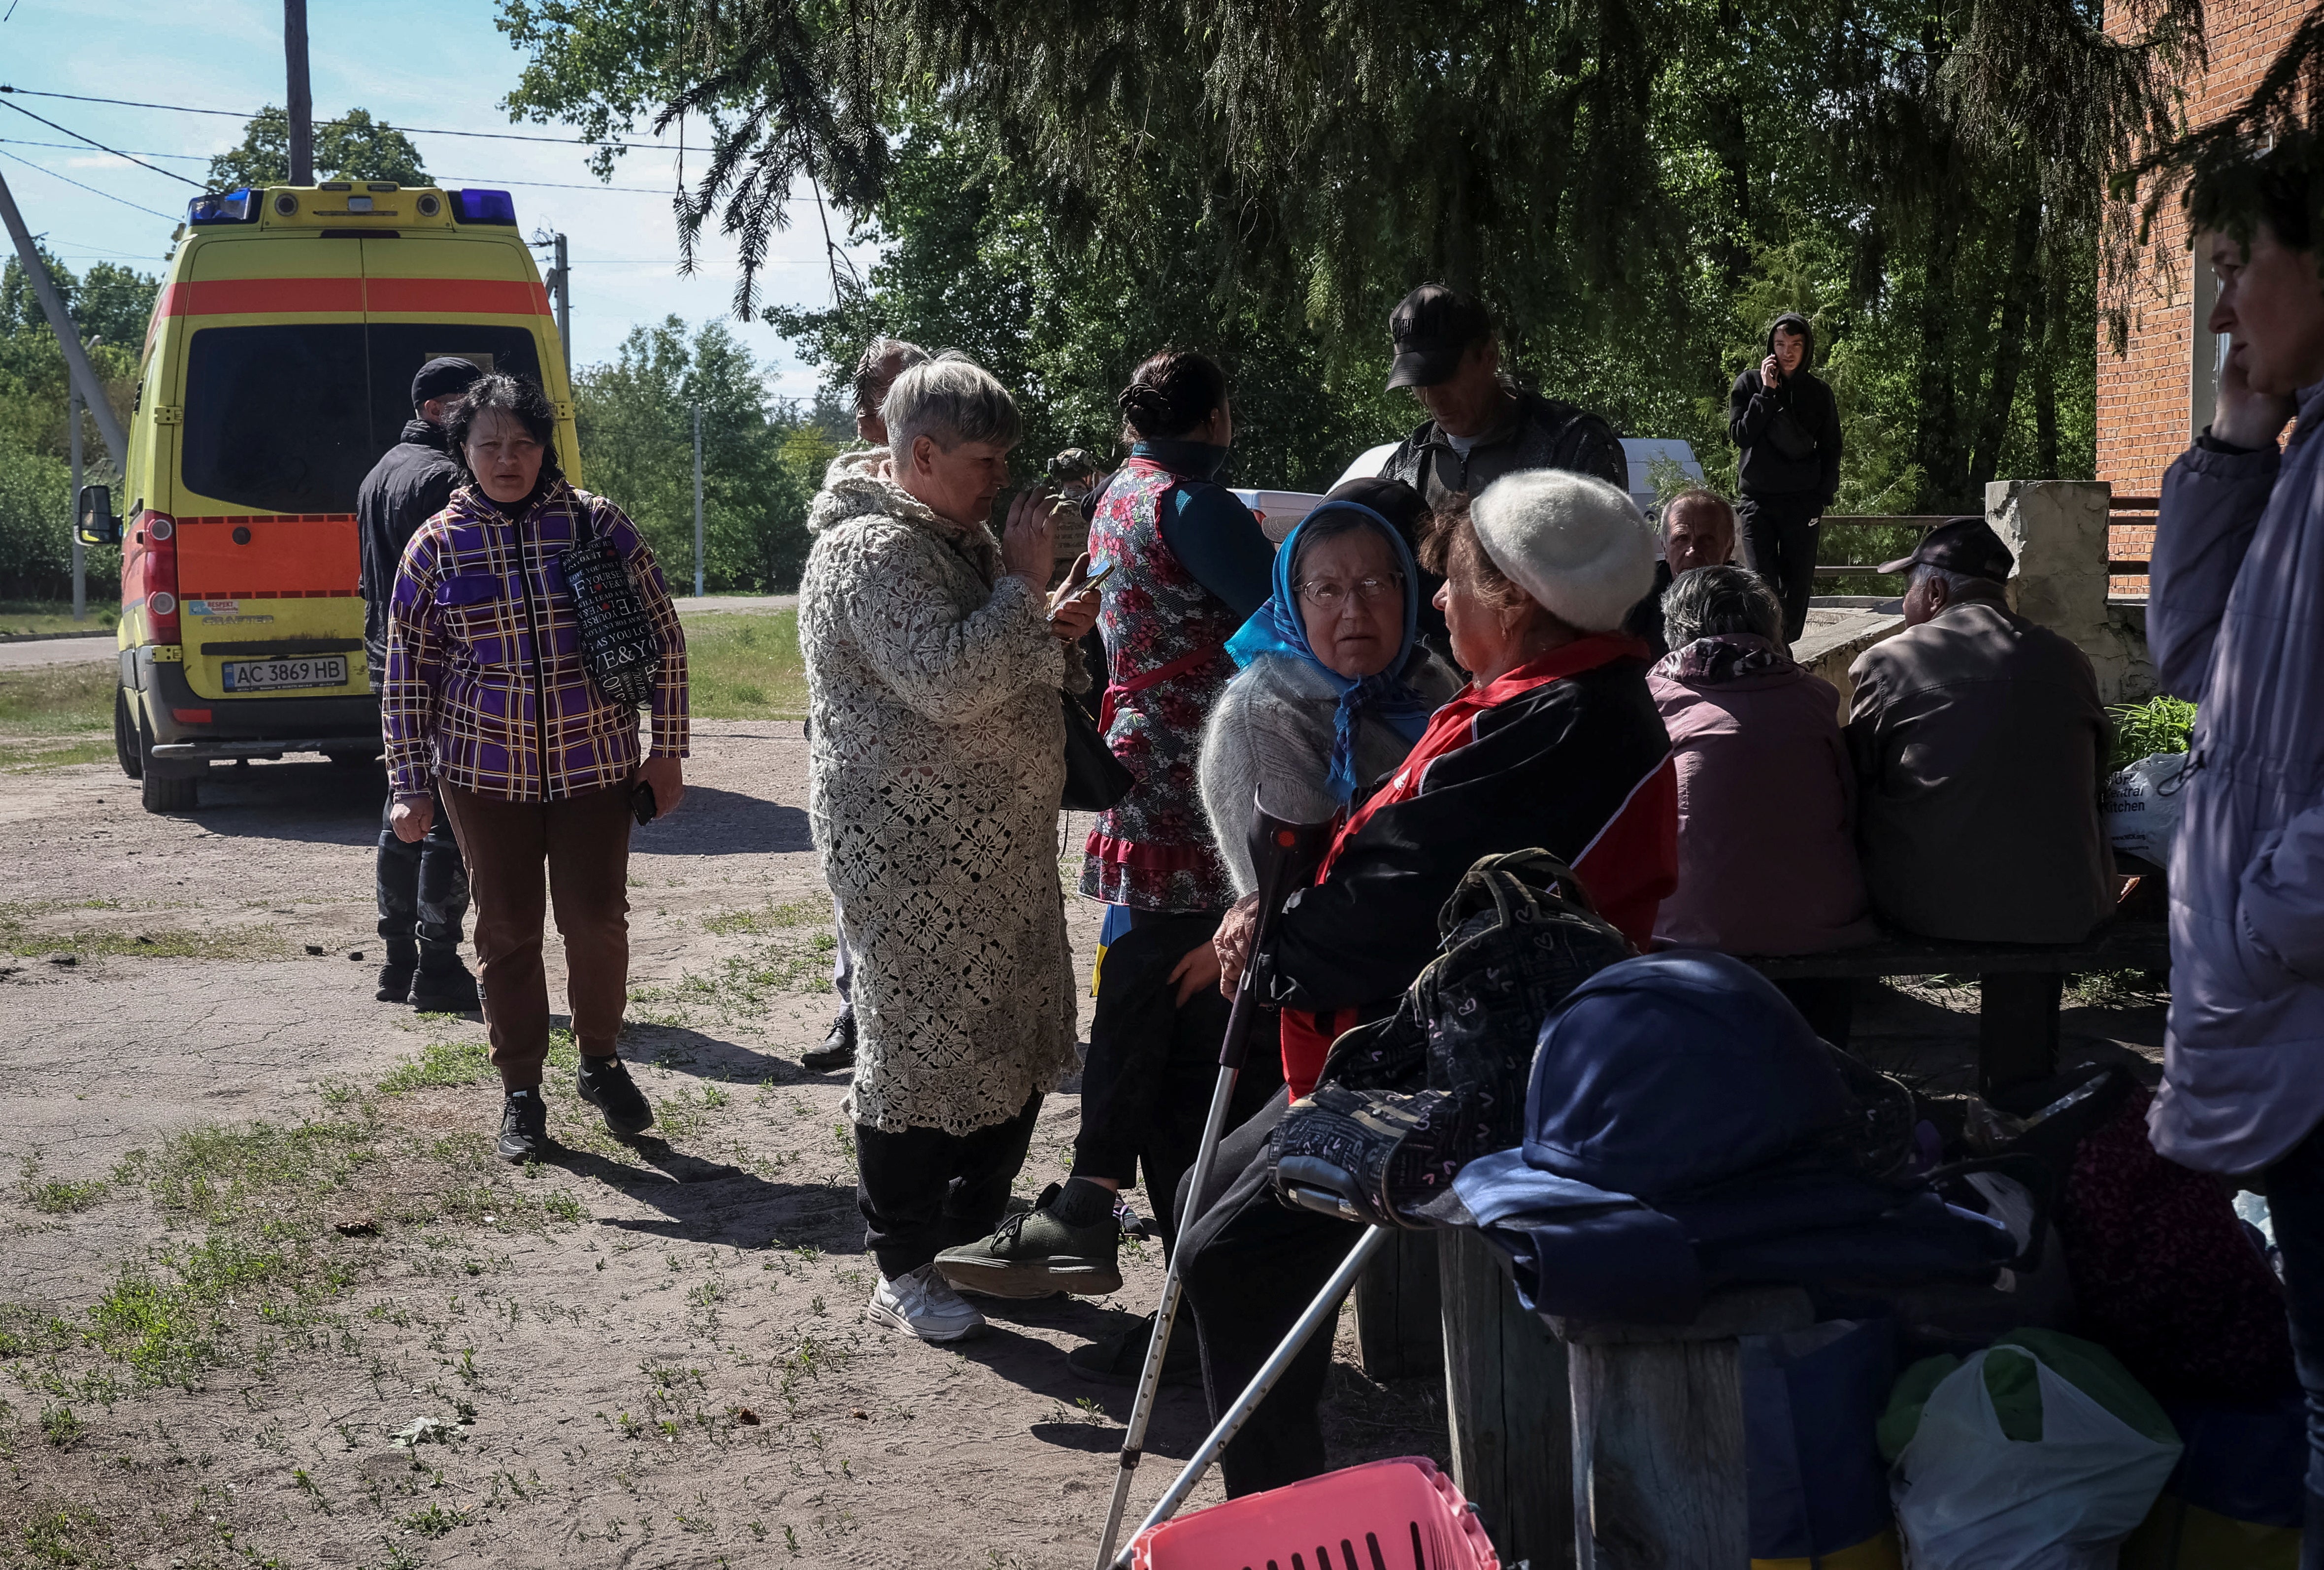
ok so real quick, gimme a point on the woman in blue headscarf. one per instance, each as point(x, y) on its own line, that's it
point(1335, 686)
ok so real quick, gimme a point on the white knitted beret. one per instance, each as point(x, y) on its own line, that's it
point(1575, 543)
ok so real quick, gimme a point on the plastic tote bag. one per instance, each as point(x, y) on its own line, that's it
point(1968, 1497)
point(2141, 806)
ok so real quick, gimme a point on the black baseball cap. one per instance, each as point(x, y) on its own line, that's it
point(443, 377)
point(1967, 545)
point(1432, 327)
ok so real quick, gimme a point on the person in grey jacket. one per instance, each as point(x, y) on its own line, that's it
point(1788, 425)
point(2236, 624)
point(422, 887)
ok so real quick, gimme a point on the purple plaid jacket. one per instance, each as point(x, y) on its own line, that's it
point(484, 686)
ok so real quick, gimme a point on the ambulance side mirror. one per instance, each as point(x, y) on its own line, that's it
point(95, 521)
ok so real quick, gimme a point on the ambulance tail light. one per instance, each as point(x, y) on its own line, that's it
point(156, 543)
point(477, 206)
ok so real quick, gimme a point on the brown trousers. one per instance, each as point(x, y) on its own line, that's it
point(584, 840)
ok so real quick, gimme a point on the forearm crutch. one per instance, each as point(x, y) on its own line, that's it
point(1281, 854)
point(1324, 1307)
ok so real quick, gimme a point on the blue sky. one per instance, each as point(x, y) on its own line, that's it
point(420, 62)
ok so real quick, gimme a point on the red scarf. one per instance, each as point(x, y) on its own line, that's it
point(1307, 1036)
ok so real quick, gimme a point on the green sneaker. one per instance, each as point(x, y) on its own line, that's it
point(1035, 1254)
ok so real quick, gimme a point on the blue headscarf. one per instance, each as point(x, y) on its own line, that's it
point(1278, 628)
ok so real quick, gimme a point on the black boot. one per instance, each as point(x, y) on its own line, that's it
point(838, 1048)
point(442, 985)
point(395, 976)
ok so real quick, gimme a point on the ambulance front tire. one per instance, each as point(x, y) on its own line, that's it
point(125, 736)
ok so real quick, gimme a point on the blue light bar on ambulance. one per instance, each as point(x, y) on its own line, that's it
point(235, 207)
point(484, 207)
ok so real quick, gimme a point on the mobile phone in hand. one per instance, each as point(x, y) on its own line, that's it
point(642, 805)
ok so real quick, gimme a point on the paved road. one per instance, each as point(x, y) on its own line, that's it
point(56, 651)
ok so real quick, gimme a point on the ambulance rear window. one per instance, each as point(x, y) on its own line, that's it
point(290, 418)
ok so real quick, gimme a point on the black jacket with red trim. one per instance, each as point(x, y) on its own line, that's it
point(1579, 766)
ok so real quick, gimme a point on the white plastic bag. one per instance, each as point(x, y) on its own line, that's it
point(1968, 1497)
point(2141, 805)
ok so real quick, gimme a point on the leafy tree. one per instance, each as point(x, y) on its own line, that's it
point(111, 303)
point(635, 417)
point(351, 148)
point(1636, 191)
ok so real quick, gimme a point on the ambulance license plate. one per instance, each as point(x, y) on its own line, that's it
point(255, 676)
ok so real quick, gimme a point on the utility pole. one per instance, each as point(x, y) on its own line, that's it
point(697, 501)
point(565, 303)
point(301, 100)
point(80, 565)
point(60, 322)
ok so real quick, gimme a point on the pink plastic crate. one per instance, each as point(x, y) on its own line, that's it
point(1385, 1515)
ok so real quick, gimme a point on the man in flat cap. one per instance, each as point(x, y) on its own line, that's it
point(1979, 742)
point(423, 888)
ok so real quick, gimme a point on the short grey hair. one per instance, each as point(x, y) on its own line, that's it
point(1963, 585)
point(949, 399)
point(1708, 601)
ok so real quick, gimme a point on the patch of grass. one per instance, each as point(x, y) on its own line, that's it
point(58, 700)
point(216, 1174)
point(20, 935)
point(60, 1532)
point(63, 1196)
point(435, 1522)
point(750, 981)
point(2159, 724)
point(22, 758)
point(164, 1319)
point(745, 666)
point(774, 918)
point(19, 616)
point(440, 1064)
point(2118, 989)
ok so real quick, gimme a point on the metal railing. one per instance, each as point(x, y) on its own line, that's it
point(2121, 511)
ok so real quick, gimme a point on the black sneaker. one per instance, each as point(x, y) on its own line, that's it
point(444, 987)
point(395, 980)
point(838, 1048)
point(524, 1126)
point(1119, 1358)
point(605, 1084)
point(1038, 1252)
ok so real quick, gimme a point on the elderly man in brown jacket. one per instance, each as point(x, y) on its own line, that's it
point(1979, 742)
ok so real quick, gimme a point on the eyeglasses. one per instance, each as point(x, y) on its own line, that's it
point(1326, 595)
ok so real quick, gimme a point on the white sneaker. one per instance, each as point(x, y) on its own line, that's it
point(924, 1303)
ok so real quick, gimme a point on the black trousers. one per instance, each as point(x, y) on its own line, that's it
point(1249, 1266)
point(922, 1190)
point(1153, 1064)
point(423, 889)
point(2295, 1204)
point(1779, 540)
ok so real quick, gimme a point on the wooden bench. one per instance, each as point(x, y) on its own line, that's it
point(2019, 984)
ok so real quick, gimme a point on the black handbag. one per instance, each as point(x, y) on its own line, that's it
point(618, 645)
point(1095, 778)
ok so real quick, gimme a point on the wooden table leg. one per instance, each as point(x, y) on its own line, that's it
point(2016, 1028)
point(1504, 1386)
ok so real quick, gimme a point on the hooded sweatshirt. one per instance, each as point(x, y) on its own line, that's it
point(1790, 433)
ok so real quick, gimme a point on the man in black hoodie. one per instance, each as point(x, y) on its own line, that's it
point(1788, 427)
point(423, 887)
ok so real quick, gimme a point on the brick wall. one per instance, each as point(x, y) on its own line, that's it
point(2142, 394)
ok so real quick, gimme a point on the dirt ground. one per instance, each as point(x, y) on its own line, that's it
point(267, 1299)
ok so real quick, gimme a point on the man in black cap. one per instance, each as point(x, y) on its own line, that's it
point(1979, 742)
point(423, 887)
point(1480, 425)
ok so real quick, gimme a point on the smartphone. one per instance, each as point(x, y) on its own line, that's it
point(642, 805)
point(1100, 576)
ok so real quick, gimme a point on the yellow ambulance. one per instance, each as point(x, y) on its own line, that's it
point(277, 370)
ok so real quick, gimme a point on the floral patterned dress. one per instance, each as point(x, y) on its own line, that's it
point(1167, 664)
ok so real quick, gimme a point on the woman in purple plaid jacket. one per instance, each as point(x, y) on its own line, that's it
point(486, 695)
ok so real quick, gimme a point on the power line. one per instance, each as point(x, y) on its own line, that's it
point(237, 114)
point(494, 180)
point(92, 190)
point(100, 146)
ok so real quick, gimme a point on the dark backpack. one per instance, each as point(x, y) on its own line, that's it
point(1404, 1103)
